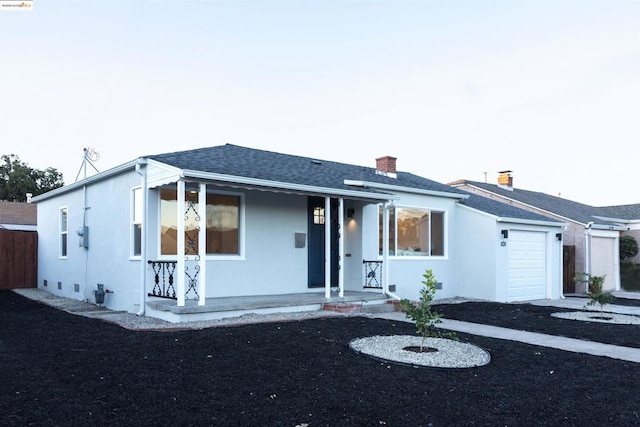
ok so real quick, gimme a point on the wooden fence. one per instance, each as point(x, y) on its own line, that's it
point(568, 269)
point(18, 259)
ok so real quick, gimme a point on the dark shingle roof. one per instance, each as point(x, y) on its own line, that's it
point(245, 162)
point(628, 212)
point(569, 209)
point(502, 210)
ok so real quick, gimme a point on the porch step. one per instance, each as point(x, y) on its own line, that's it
point(389, 306)
point(384, 306)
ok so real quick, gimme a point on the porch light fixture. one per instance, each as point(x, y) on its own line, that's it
point(350, 212)
point(505, 234)
point(559, 237)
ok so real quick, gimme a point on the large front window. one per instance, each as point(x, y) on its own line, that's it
point(413, 232)
point(222, 222)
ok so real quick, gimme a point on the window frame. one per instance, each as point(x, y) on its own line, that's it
point(63, 235)
point(393, 233)
point(133, 236)
point(211, 191)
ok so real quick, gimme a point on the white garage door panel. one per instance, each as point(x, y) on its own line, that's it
point(603, 262)
point(527, 265)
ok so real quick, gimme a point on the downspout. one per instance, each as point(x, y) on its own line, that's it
point(143, 243)
point(84, 225)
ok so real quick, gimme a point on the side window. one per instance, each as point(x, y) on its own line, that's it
point(63, 227)
point(136, 222)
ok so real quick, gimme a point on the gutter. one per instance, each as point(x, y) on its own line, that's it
point(143, 244)
point(593, 226)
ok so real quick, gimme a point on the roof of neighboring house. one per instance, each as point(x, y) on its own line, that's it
point(233, 160)
point(503, 210)
point(15, 215)
point(577, 212)
point(627, 212)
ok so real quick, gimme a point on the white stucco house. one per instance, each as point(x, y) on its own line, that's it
point(263, 231)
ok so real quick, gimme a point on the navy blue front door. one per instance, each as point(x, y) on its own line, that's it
point(317, 219)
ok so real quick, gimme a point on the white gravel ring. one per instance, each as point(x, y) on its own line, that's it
point(450, 354)
point(592, 316)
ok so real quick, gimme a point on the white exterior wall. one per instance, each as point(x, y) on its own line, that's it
point(353, 233)
point(271, 263)
point(478, 244)
point(406, 272)
point(107, 258)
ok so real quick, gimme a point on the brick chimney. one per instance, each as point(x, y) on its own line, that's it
point(505, 180)
point(386, 166)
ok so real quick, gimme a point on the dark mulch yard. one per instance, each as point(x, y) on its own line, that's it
point(61, 369)
point(534, 318)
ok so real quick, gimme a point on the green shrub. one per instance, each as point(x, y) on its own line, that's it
point(422, 313)
point(628, 247)
point(630, 276)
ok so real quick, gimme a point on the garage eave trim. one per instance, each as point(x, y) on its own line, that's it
point(532, 222)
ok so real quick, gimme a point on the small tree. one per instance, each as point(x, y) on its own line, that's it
point(594, 291)
point(422, 314)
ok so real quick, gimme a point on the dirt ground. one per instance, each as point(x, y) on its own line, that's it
point(61, 369)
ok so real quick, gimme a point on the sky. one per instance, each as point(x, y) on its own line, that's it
point(454, 89)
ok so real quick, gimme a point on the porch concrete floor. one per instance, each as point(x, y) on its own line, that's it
point(256, 302)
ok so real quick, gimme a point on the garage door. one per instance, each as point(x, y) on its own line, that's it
point(527, 265)
point(603, 260)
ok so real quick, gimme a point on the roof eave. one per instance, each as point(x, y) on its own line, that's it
point(90, 180)
point(532, 222)
point(400, 188)
point(284, 186)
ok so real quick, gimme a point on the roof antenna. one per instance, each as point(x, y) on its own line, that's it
point(89, 155)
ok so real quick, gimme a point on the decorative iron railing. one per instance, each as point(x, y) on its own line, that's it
point(192, 282)
point(164, 279)
point(372, 274)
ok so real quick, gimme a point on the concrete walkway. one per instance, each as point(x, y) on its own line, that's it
point(561, 343)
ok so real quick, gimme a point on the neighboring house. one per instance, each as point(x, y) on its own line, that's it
point(263, 224)
point(591, 238)
point(626, 216)
point(18, 245)
point(18, 216)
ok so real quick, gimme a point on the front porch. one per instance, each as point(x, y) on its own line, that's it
point(218, 308)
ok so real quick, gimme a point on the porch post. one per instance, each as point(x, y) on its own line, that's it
point(327, 247)
point(202, 242)
point(341, 247)
point(180, 250)
point(385, 247)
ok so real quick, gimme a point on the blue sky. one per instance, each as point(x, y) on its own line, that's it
point(453, 89)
